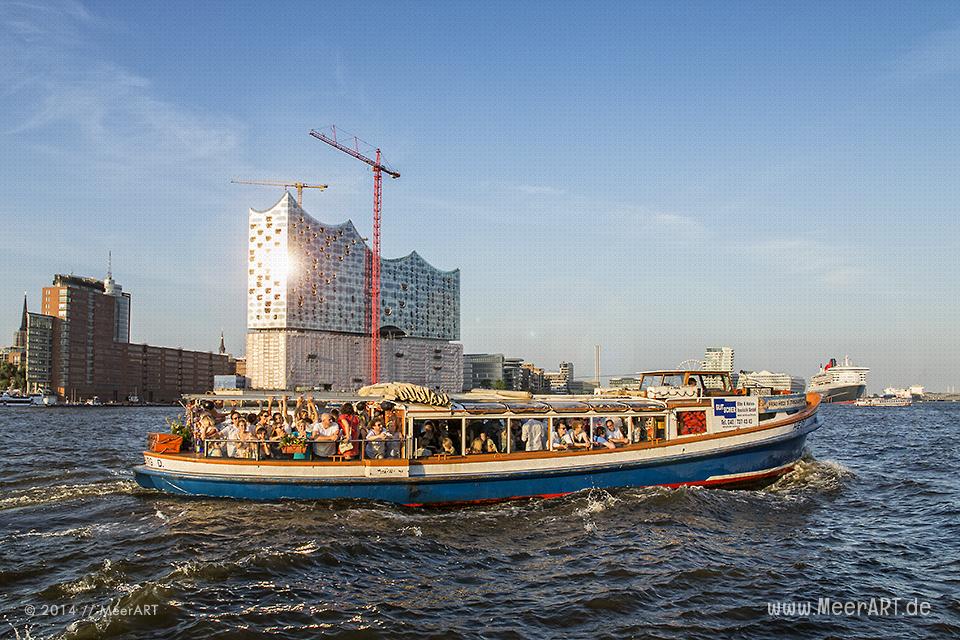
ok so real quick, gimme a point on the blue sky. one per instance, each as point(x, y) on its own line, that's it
point(655, 178)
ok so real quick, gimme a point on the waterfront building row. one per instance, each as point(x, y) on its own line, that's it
point(78, 347)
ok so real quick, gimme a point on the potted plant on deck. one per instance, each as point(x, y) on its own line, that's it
point(293, 444)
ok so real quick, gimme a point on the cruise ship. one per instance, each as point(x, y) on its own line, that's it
point(840, 382)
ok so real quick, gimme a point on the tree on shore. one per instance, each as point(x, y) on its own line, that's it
point(13, 377)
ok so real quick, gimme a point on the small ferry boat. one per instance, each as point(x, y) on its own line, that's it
point(682, 428)
point(883, 401)
point(17, 399)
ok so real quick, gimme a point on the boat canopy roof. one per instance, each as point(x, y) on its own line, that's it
point(680, 372)
point(467, 404)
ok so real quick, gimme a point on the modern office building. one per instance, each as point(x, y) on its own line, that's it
point(482, 370)
point(39, 351)
point(718, 359)
point(79, 347)
point(486, 370)
point(308, 309)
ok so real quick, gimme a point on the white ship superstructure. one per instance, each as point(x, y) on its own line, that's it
point(840, 382)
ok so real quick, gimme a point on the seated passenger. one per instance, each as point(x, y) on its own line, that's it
point(600, 438)
point(615, 435)
point(641, 430)
point(447, 448)
point(482, 444)
point(580, 438)
point(428, 437)
point(376, 439)
point(562, 440)
point(325, 434)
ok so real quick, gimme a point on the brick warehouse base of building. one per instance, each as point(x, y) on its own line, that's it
point(329, 361)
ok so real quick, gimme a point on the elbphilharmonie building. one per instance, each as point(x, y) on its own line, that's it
point(308, 314)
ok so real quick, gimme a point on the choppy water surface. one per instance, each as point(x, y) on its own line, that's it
point(874, 512)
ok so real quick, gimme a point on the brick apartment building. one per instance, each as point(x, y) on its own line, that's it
point(79, 347)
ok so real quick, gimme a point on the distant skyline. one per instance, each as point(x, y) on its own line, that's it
point(654, 178)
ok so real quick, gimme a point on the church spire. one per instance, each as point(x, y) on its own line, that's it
point(23, 319)
point(223, 347)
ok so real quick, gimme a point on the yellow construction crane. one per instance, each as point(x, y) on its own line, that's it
point(286, 185)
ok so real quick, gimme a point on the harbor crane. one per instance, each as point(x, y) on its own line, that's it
point(329, 136)
point(300, 186)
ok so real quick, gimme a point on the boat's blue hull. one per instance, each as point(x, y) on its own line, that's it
point(752, 463)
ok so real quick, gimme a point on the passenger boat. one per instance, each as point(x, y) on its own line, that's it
point(683, 428)
point(883, 401)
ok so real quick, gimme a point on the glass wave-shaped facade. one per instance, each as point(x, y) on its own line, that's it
point(304, 274)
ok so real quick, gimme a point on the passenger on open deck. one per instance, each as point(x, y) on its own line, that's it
point(242, 447)
point(350, 432)
point(325, 434)
point(393, 440)
point(376, 439)
point(208, 431)
point(231, 433)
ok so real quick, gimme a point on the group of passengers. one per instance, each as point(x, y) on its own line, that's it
point(491, 436)
point(347, 431)
point(370, 430)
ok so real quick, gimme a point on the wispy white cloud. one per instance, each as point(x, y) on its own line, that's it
point(539, 190)
point(936, 55)
point(808, 259)
point(56, 81)
point(674, 220)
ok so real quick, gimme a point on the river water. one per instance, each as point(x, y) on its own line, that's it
point(871, 515)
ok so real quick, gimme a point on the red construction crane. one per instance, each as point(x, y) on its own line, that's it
point(379, 168)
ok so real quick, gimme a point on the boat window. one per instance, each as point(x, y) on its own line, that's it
point(485, 436)
point(650, 381)
point(668, 380)
point(437, 438)
point(718, 382)
point(649, 428)
point(691, 422)
point(610, 430)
